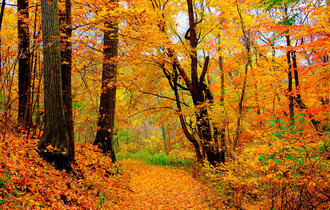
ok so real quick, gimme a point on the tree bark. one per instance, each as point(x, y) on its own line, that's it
point(222, 133)
point(196, 89)
point(24, 71)
point(189, 136)
point(298, 98)
point(54, 143)
point(290, 82)
point(193, 44)
point(2, 11)
point(66, 71)
point(240, 109)
point(105, 131)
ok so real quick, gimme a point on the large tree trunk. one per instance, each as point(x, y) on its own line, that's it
point(196, 87)
point(54, 143)
point(210, 147)
point(105, 131)
point(24, 72)
point(66, 68)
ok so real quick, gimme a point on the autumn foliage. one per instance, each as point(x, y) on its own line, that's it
point(27, 181)
point(235, 91)
point(281, 171)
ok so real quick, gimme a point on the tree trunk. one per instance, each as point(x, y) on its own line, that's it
point(222, 133)
point(2, 11)
point(290, 85)
point(164, 138)
point(189, 136)
point(298, 98)
point(24, 72)
point(105, 131)
point(54, 143)
point(66, 69)
point(247, 43)
point(197, 90)
point(240, 109)
point(173, 82)
point(209, 145)
point(290, 88)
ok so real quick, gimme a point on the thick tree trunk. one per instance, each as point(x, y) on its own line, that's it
point(66, 68)
point(193, 44)
point(196, 89)
point(105, 131)
point(54, 144)
point(210, 147)
point(24, 72)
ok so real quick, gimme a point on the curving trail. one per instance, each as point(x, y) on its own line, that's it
point(156, 187)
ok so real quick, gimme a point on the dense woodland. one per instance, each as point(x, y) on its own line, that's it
point(231, 97)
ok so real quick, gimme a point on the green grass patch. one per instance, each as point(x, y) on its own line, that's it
point(160, 158)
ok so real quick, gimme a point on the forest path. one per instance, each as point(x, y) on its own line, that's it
point(156, 187)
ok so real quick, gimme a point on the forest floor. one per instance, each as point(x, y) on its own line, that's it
point(158, 187)
point(29, 182)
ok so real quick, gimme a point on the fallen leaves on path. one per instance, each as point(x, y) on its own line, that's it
point(156, 187)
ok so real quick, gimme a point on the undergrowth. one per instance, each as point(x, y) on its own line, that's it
point(162, 159)
point(286, 168)
point(28, 182)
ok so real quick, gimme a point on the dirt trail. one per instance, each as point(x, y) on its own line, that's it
point(156, 187)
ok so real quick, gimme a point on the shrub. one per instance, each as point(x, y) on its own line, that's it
point(287, 169)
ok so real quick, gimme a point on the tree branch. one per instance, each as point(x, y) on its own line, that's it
point(148, 109)
point(205, 67)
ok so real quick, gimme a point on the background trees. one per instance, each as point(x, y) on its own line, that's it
point(214, 76)
point(240, 82)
